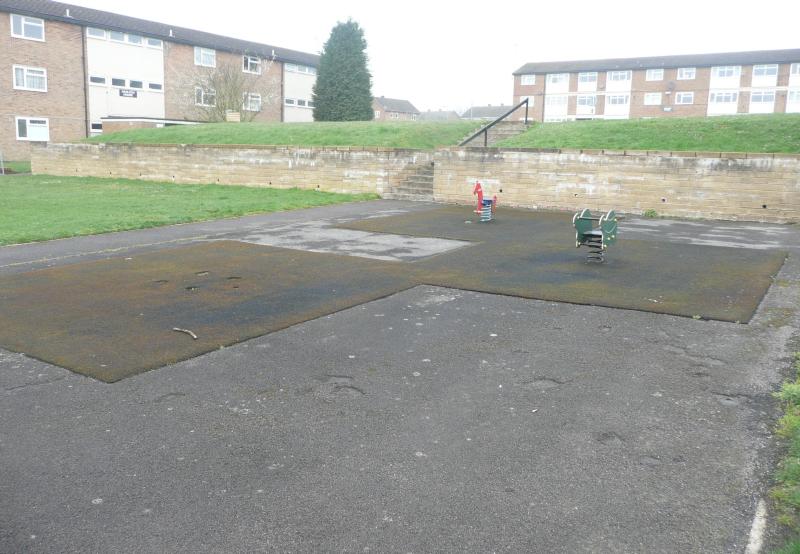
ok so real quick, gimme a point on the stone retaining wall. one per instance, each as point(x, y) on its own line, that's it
point(713, 185)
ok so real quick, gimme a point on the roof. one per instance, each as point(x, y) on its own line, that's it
point(655, 62)
point(396, 105)
point(78, 15)
point(439, 115)
point(480, 112)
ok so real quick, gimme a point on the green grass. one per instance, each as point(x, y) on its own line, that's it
point(744, 133)
point(786, 492)
point(42, 207)
point(18, 167)
point(423, 135)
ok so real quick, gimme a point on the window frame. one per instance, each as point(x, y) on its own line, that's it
point(111, 36)
point(90, 35)
point(28, 120)
point(246, 62)
point(765, 66)
point(583, 74)
point(203, 94)
point(104, 81)
point(683, 94)
point(25, 69)
point(582, 97)
point(199, 51)
point(527, 79)
point(562, 77)
point(794, 69)
point(611, 75)
point(762, 92)
point(736, 71)
point(651, 95)
point(713, 95)
point(248, 99)
point(648, 75)
point(22, 27)
point(682, 71)
point(610, 99)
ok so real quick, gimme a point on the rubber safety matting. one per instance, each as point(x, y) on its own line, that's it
point(115, 318)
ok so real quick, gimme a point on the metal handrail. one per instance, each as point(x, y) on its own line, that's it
point(485, 130)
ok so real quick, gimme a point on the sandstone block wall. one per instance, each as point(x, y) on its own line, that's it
point(713, 185)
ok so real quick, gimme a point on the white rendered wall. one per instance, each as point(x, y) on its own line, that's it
point(298, 86)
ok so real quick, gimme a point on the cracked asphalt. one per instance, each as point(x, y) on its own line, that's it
point(433, 420)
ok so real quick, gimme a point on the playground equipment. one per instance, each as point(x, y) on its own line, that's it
point(596, 238)
point(486, 206)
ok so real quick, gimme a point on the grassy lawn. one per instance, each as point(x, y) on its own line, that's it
point(18, 167)
point(786, 492)
point(41, 207)
point(411, 134)
point(744, 133)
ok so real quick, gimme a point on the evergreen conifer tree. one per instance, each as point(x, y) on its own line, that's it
point(343, 88)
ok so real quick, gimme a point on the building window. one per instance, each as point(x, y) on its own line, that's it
point(311, 105)
point(654, 75)
point(590, 77)
point(116, 36)
point(251, 64)
point(793, 96)
point(96, 33)
point(155, 86)
point(96, 80)
point(377, 114)
point(652, 99)
point(30, 78)
point(527, 80)
point(553, 100)
point(557, 78)
point(301, 68)
point(726, 71)
point(765, 70)
point(31, 28)
point(619, 75)
point(30, 128)
point(252, 102)
point(794, 69)
point(686, 73)
point(135, 39)
point(301, 103)
point(289, 101)
point(394, 115)
point(205, 57)
point(588, 100)
point(205, 97)
point(97, 126)
point(155, 43)
point(684, 98)
point(728, 97)
point(117, 82)
point(136, 84)
point(763, 96)
point(618, 99)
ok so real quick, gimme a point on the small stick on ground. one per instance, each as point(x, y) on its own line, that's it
point(187, 331)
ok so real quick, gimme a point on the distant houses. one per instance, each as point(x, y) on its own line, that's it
point(439, 115)
point(485, 112)
point(393, 109)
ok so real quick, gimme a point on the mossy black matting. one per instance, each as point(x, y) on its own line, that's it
point(114, 318)
point(532, 254)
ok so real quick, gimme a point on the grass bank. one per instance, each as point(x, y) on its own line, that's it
point(786, 492)
point(41, 207)
point(744, 133)
point(17, 167)
point(423, 135)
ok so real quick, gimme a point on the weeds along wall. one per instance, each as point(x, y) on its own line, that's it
point(712, 185)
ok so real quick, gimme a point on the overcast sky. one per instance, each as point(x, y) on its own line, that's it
point(450, 55)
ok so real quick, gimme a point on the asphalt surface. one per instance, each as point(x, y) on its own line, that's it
point(433, 420)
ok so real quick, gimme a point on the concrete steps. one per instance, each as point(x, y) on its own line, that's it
point(417, 186)
point(499, 132)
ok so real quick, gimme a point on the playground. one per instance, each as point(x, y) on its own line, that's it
point(390, 376)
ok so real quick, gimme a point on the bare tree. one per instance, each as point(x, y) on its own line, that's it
point(246, 87)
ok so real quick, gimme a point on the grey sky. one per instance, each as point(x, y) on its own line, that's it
point(449, 55)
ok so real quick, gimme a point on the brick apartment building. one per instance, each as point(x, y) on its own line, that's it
point(666, 86)
point(71, 72)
